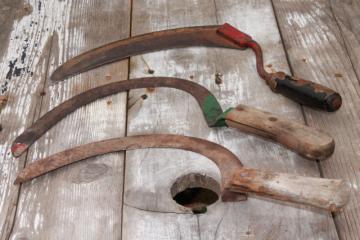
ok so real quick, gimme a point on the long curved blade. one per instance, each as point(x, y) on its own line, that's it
point(209, 105)
point(224, 159)
point(330, 194)
point(174, 38)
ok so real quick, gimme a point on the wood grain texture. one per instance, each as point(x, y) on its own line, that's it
point(317, 51)
point(149, 211)
point(318, 36)
point(25, 43)
point(347, 16)
point(308, 142)
point(84, 201)
point(330, 194)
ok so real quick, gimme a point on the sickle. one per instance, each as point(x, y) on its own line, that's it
point(225, 36)
point(330, 194)
point(305, 140)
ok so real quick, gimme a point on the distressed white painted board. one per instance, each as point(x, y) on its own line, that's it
point(82, 201)
point(25, 34)
point(91, 191)
point(149, 173)
point(317, 51)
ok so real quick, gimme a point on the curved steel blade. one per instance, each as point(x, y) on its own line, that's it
point(330, 194)
point(209, 105)
point(222, 157)
point(174, 38)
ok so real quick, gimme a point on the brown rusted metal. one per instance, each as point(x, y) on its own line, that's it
point(150, 42)
point(236, 180)
point(302, 91)
point(3, 101)
point(224, 159)
point(307, 141)
point(224, 36)
point(201, 94)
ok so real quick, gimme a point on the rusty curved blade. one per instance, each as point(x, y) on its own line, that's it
point(225, 36)
point(206, 36)
point(222, 157)
point(209, 105)
point(304, 140)
point(236, 180)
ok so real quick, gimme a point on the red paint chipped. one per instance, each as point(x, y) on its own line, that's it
point(236, 35)
point(18, 148)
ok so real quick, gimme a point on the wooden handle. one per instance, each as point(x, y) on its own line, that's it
point(306, 141)
point(330, 194)
point(307, 92)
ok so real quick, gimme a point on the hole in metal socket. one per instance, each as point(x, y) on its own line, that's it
point(195, 191)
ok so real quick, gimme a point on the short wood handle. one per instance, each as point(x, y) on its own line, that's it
point(307, 141)
point(307, 92)
point(330, 194)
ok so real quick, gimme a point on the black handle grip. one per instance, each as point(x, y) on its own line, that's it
point(307, 93)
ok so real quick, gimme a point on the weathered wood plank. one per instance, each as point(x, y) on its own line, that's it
point(347, 16)
point(83, 201)
point(150, 173)
point(25, 43)
point(317, 52)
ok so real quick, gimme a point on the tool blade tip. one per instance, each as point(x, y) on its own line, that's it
point(56, 76)
point(18, 148)
point(17, 181)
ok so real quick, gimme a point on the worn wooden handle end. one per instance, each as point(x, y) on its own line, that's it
point(329, 194)
point(307, 141)
point(307, 93)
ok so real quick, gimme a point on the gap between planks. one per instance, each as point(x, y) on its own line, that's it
point(126, 126)
point(347, 55)
point(343, 40)
point(302, 108)
point(35, 116)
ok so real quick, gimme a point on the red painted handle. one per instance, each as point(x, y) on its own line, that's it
point(302, 91)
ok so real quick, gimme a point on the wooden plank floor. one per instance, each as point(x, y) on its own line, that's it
point(127, 195)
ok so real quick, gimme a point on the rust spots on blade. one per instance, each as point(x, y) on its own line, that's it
point(31, 134)
point(222, 157)
point(150, 42)
point(150, 89)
